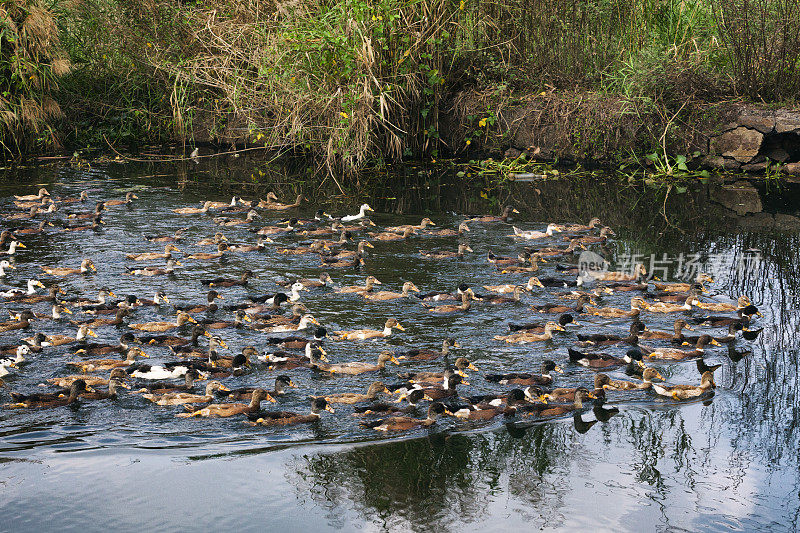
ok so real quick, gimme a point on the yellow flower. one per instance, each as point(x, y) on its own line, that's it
point(344, 115)
point(469, 142)
point(482, 123)
point(461, 5)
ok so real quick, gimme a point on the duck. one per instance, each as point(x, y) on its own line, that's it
point(207, 256)
point(97, 220)
point(354, 263)
point(257, 247)
point(743, 317)
point(37, 230)
point(102, 294)
point(355, 367)
point(214, 240)
point(16, 294)
point(601, 360)
point(460, 365)
point(676, 354)
point(291, 225)
point(605, 231)
point(180, 319)
point(388, 408)
point(582, 395)
point(129, 198)
point(11, 361)
point(159, 298)
point(522, 269)
point(527, 378)
point(639, 271)
point(97, 365)
point(231, 409)
point(91, 381)
point(525, 337)
point(404, 423)
point(288, 418)
point(304, 322)
point(223, 205)
point(462, 229)
point(539, 326)
point(115, 381)
point(686, 392)
point(147, 256)
point(227, 222)
point(504, 217)
point(533, 234)
point(677, 332)
point(324, 280)
point(277, 206)
point(177, 236)
point(84, 195)
point(34, 210)
point(86, 266)
point(125, 341)
point(12, 248)
point(246, 393)
point(664, 307)
point(100, 322)
point(47, 401)
point(293, 342)
point(229, 282)
point(429, 354)
point(22, 322)
point(613, 312)
point(421, 226)
point(350, 398)
point(174, 340)
point(602, 381)
point(466, 304)
point(369, 283)
point(180, 398)
point(189, 378)
point(444, 254)
point(59, 340)
point(447, 389)
point(500, 260)
point(362, 212)
point(514, 298)
point(389, 295)
point(316, 247)
point(593, 223)
point(726, 339)
point(239, 318)
point(364, 334)
point(270, 199)
point(609, 339)
point(25, 198)
point(360, 250)
point(701, 279)
point(335, 227)
point(171, 370)
point(533, 282)
point(389, 236)
point(555, 251)
point(210, 306)
point(312, 355)
point(168, 269)
point(741, 303)
point(192, 348)
point(19, 351)
point(488, 410)
point(98, 210)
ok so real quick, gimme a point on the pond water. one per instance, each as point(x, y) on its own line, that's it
point(729, 462)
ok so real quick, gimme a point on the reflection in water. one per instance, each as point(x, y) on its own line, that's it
point(730, 463)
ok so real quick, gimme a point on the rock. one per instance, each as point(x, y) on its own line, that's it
point(759, 221)
point(777, 154)
point(785, 222)
point(742, 144)
point(787, 121)
point(719, 162)
point(791, 168)
point(755, 167)
point(740, 197)
point(762, 121)
point(512, 153)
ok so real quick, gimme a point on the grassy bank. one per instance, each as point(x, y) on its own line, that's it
point(356, 83)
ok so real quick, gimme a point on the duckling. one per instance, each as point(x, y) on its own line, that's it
point(361, 289)
point(37, 230)
point(539, 326)
point(354, 397)
point(42, 193)
point(356, 367)
point(389, 236)
point(288, 418)
point(22, 323)
point(600, 360)
point(86, 266)
point(56, 399)
point(206, 256)
point(60, 340)
point(246, 393)
point(97, 365)
point(147, 256)
point(180, 398)
point(129, 198)
point(533, 282)
point(231, 409)
point(602, 381)
point(459, 366)
point(175, 237)
point(527, 378)
point(180, 319)
point(447, 254)
point(504, 217)
point(428, 354)
point(686, 392)
point(209, 307)
point(94, 348)
point(12, 248)
point(533, 234)
point(741, 303)
point(243, 248)
point(224, 221)
point(404, 423)
point(115, 381)
point(675, 354)
point(239, 317)
point(228, 282)
point(362, 212)
point(466, 305)
point(389, 295)
point(462, 228)
point(524, 337)
point(168, 269)
point(364, 334)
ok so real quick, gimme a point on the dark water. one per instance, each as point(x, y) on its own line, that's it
point(728, 463)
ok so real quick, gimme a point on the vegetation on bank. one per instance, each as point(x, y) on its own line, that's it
point(356, 83)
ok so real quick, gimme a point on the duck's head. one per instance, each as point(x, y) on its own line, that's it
point(393, 323)
point(461, 364)
point(214, 386)
point(377, 387)
point(463, 227)
point(215, 342)
point(320, 333)
point(260, 395)
point(707, 379)
point(283, 381)
point(550, 366)
point(602, 381)
point(650, 374)
point(435, 410)
point(705, 340)
point(634, 355)
point(409, 286)
point(450, 341)
point(320, 404)
point(551, 326)
point(565, 319)
point(387, 356)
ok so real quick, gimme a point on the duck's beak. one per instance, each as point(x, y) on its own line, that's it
point(641, 363)
point(40, 284)
point(560, 328)
point(192, 320)
point(714, 342)
point(91, 333)
point(178, 263)
point(91, 265)
point(224, 388)
point(515, 211)
point(368, 244)
point(223, 344)
point(688, 327)
point(20, 245)
point(322, 350)
point(543, 398)
point(472, 367)
point(394, 360)
point(330, 408)
point(592, 396)
point(270, 399)
point(123, 385)
point(464, 382)
point(65, 310)
point(142, 354)
point(89, 389)
point(291, 384)
point(401, 328)
point(658, 375)
point(314, 321)
point(684, 343)
point(247, 318)
point(401, 398)
point(558, 369)
point(456, 345)
point(461, 373)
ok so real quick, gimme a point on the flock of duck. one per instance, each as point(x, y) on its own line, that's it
point(192, 378)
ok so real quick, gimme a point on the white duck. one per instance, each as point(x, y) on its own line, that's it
point(361, 214)
point(533, 234)
point(14, 293)
point(3, 266)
